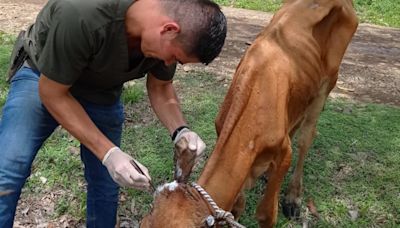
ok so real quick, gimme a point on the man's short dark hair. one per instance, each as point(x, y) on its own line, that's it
point(203, 27)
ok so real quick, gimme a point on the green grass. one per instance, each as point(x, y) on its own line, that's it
point(6, 42)
point(260, 5)
point(58, 166)
point(353, 163)
point(381, 12)
point(132, 94)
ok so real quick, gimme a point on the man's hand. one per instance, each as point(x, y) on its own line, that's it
point(195, 144)
point(122, 171)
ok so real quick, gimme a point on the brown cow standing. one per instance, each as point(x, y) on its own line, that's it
point(279, 88)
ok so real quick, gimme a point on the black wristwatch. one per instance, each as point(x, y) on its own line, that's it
point(176, 132)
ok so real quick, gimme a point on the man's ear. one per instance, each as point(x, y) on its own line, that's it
point(170, 30)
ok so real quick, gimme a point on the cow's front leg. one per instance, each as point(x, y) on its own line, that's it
point(239, 205)
point(267, 210)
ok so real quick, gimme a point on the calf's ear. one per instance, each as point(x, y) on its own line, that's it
point(184, 160)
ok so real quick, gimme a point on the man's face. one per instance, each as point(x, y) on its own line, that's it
point(161, 44)
point(172, 53)
point(168, 51)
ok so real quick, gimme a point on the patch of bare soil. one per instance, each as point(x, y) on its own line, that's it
point(370, 73)
point(38, 210)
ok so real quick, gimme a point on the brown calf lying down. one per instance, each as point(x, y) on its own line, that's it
point(279, 88)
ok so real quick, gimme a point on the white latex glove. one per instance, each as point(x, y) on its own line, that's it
point(195, 144)
point(123, 172)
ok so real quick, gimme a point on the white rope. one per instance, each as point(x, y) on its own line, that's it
point(220, 214)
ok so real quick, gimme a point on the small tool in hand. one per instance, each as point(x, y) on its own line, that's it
point(141, 172)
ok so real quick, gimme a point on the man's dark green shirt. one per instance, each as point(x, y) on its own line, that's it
point(83, 43)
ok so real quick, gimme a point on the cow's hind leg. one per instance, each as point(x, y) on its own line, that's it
point(292, 202)
point(267, 209)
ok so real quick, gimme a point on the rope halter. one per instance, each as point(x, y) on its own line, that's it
point(220, 215)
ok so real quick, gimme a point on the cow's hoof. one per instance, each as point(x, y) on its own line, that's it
point(264, 178)
point(291, 210)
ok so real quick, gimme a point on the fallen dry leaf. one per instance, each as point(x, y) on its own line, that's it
point(353, 215)
point(313, 209)
point(346, 89)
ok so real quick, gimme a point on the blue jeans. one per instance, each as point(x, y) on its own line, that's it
point(26, 124)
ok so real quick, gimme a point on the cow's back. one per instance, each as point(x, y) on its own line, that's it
point(301, 55)
point(316, 40)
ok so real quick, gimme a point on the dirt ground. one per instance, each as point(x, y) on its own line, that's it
point(370, 72)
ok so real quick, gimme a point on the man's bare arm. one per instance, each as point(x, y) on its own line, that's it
point(71, 115)
point(165, 103)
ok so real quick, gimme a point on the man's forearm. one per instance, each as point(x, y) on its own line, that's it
point(70, 114)
point(165, 104)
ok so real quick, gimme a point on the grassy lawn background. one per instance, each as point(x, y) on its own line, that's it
point(381, 12)
point(352, 165)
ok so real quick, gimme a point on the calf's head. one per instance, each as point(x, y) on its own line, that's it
point(178, 206)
